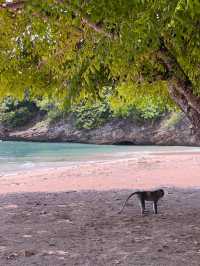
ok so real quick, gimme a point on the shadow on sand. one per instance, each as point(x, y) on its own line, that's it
point(84, 228)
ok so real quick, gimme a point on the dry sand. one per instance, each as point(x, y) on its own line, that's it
point(179, 170)
point(68, 215)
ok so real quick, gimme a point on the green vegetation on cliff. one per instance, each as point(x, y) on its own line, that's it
point(15, 114)
point(87, 115)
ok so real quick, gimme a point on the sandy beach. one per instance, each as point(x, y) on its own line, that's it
point(180, 170)
point(69, 215)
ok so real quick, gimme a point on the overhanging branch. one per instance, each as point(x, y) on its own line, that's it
point(99, 29)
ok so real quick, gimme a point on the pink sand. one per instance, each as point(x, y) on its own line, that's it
point(158, 170)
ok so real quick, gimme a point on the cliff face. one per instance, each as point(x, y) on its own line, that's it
point(169, 130)
point(3, 132)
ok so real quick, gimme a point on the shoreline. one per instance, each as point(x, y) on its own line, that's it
point(146, 171)
point(103, 159)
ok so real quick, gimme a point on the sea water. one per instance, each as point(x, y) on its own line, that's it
point(19, 156)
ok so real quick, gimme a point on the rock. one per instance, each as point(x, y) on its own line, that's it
point(117, 131)
point(52, 244)
point(165, 246)
point(29, 253)
point(3, 132)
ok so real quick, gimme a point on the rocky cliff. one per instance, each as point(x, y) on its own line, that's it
point(173, 129)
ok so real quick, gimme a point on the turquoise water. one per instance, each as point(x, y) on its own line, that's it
point(15, 156)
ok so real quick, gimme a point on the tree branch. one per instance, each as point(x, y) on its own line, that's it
point(97, 28)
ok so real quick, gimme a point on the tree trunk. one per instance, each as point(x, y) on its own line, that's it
point(180, 89)
point(192, 113)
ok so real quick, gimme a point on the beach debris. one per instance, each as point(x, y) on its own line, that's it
point(9, 206)
point(28, 253)
point(72, 191)
point(62, 252)
point(27, 236)
point(55, 252)
point(43, 213)
point(12, 256)
point(46, 253)
point(24, 253)
point(42, 231)
point(62, 205)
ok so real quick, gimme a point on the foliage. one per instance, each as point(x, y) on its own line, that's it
point(50, 48)
point(89, 116)
point(92, 114)
point(149, 113)
point(17, 118)
point(55, 115)
point(11, 104)
point(54, 111)
point(14, 113)
point(149, 103)
point(8, 104)
point(69, 51)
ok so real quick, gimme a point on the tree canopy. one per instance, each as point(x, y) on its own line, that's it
point(70, 49)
